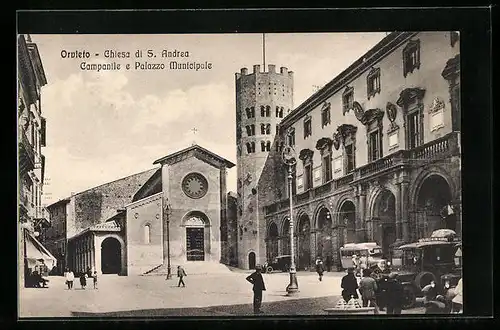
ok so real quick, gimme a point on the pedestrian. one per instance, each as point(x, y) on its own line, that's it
point(70, 277)
point(180, 274)
point(258, 286)
point(394, 294)
point(430, 292)
point(89, 272)
point(320, 269)
point(349, 285)
point(95, 279)
point(355, 264)
point(83, 280)
point(368, 288)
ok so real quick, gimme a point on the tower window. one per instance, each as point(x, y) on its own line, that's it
point(411, 57)
point(268, 146)
point(262, 111)
point(250, 130)
point(265, 129)
point(250, 147)
point(250, 112)
point(268, 111)
point(262, 146)
point(268, 129)
point(279, 112)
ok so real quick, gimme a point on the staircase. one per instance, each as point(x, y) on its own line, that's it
point(191, 268)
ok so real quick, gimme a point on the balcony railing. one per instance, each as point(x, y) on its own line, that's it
point(440, 148)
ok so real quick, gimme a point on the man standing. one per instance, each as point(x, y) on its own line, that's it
point(395, 294)
point(258, 286)
point(349, 285)
point(180, 274)
point(368, 288)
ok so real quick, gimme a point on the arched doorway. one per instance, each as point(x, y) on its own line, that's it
point(285, 237)
point(347, 216)
point(111, 256)
point(197, 236)
point(433, 207)
point(272, 243)
point(304, 243)
point(384, 232)
point(324, 247)
point(251, 260)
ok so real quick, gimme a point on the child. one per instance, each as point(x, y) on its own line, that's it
point(83, 280)
point(95, 279)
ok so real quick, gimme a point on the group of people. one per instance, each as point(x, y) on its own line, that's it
point(70, 277)
point(388, 293)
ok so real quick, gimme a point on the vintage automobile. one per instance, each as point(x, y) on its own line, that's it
point(281, 263)
point(429, 259)
point(369, 254)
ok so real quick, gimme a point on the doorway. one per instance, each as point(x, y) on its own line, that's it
point(195, 243)
point(111, 256)
point(251, 260)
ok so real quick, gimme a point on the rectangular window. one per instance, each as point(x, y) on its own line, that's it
point(375, 146)
point(291, 139)
point(413, 122)
point(373, 82)
point(327, 168)
point(307, 128)
point(411, 57)
point(308, 177)
point(347, 99)
point(325, 117)
point(349, 157)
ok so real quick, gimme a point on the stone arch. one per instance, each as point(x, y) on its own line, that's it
point(112, 254)
point(433, 206)
point(375, 192)
point(348, 196)
point(426, 173)
point(383, 218)
point(196, 235)
point(319, 207)
point(346, 218)
point(272, 247)
point(303, 236)
point(325, 240)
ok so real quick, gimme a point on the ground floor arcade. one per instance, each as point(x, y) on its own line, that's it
point(392, 207)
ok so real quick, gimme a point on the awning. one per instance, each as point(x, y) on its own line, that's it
point(36, 251)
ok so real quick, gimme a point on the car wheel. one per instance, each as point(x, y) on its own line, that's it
point(423, 279)
point(410, 298)
point(269, 269)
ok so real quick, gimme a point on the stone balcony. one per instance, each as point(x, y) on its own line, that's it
point(27, 159)
point(438, 149)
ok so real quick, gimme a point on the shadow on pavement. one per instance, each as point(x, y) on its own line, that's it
point(310, 306)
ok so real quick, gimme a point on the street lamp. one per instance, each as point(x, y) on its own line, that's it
point(289, 159)
point(168, 212)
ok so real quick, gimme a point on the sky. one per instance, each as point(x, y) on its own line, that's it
point(102, 126)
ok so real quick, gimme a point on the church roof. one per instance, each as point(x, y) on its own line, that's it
point(198, 152)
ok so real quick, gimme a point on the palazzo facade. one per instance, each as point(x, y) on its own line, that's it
point(378, 154)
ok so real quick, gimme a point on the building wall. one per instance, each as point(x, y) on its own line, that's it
point(100, 203)
point(182, 205)
point(441, 158)
point(144, 255)
point(256, 89)
point(229, 247)
point(435, 51)
point(54, 237)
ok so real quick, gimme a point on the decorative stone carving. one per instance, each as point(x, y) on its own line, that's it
point(452, 68)
point(358, 110)
point(336, 140)
point(195, 222)
point(306, 154)
point(371, 115)
point(392, 112)
point(437, 104)
point(409, 94)
point(324, 144)
point(345, 130)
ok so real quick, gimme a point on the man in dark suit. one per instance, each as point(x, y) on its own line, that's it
point(258, 286)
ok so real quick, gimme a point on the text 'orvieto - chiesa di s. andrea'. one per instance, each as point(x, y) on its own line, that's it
point(378, 160)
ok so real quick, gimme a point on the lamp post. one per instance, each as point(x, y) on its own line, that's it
point(289, 159)
point(168, 212)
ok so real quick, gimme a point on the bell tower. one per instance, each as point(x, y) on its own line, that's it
point(263, 99)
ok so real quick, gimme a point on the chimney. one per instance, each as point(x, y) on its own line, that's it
point(256, 68)
point(272, 68)
point(283, 70)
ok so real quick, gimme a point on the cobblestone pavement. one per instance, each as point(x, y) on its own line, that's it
point(204, 295)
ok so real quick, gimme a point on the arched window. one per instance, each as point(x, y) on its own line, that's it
point(268, 129)
point(262, 128)
point(268, 146)
point(262, 146)
point(147, 234)
point(268, 111)
point(262, 111)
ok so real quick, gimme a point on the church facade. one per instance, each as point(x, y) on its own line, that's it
point(138, 225)
point(377, 151)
